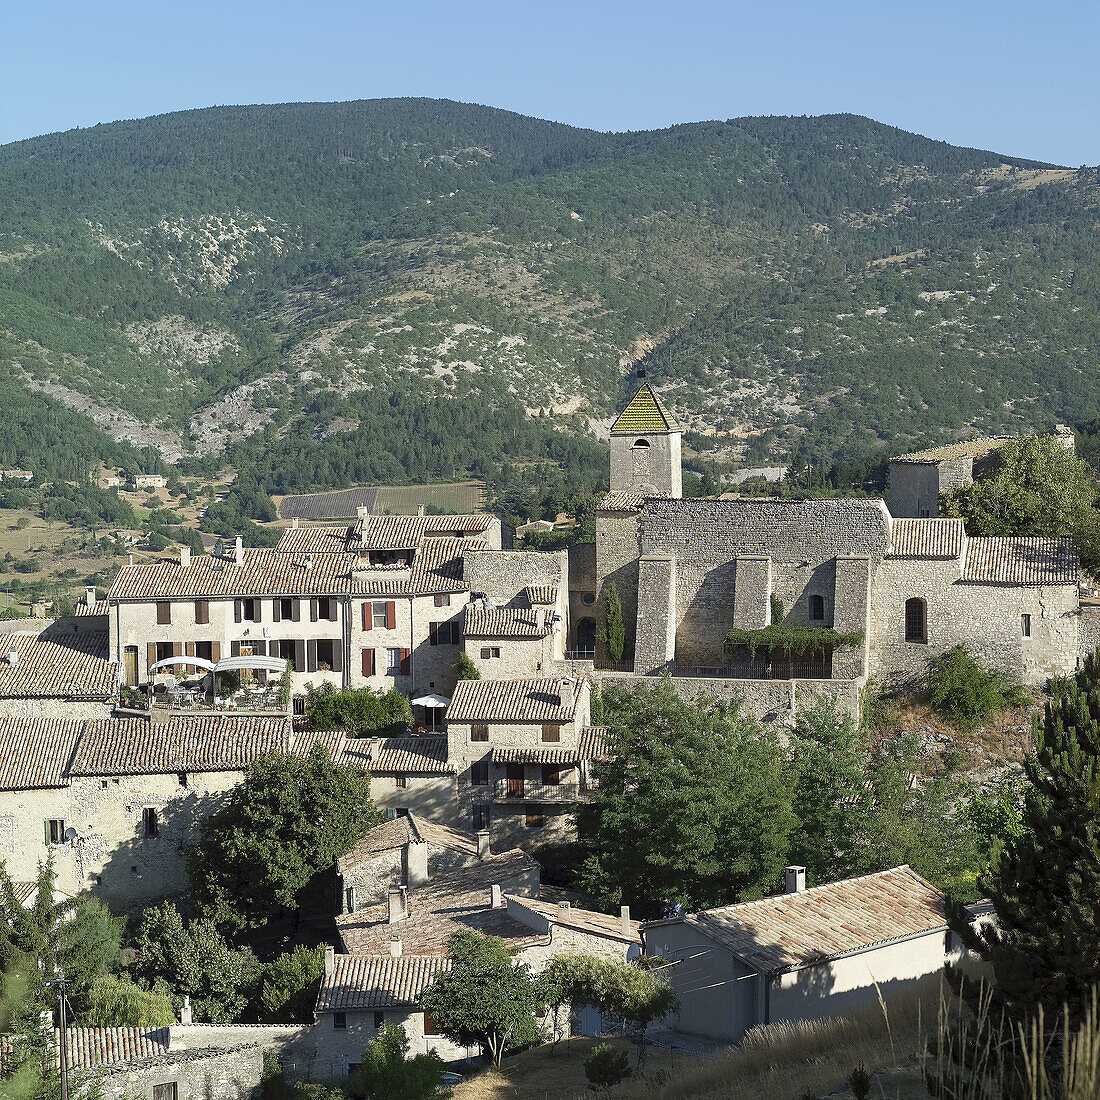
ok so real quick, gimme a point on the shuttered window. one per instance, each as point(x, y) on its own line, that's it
point(202, 612)
point(479, 733)
point(164, 613)
point(368, 662)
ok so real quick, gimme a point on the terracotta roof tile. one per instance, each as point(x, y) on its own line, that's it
point(1021, 561)
point(791, 930)
point(365, 982)
point(541, 595)
point(399, 832)
point(503, 622)
point(35, 752)
point(926, 538)
point(57, 665)
point(398, 755)
point(101, 1046)
point(622, 500)
point(570, 916)
point(513, 701)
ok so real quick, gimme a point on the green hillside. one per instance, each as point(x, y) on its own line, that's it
point(417, 289)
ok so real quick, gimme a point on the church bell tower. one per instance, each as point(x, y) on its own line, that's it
point(645, 448)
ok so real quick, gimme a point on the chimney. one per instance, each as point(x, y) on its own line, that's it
point(563, 907)
point(186, 1017)
point(395, 947)
point(796, 880)
point(420, 509)
point(238, 550)
point(416, 863)
point(13, 659)
point(309, 561)
point(483, 844)
point(89, 596)
point(628, 932)
point(330, 960)
point(567, 695)
point(494, 896)
point(185, 556)
point(294, 523)
point(362, 511)
point(398, 904)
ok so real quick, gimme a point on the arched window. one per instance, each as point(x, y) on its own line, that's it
point(641, 442)
point(817, 609)
point(916, 620)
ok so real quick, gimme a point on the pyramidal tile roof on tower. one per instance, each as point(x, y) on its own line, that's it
point(644, 413)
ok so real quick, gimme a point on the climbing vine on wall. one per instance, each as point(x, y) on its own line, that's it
point(779, 638)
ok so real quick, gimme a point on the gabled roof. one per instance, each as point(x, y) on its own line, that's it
point(57, 665)
point(394, 834)
point(365, 982)
point(398, 755)
point(503, 622)
point(793, 930)
point(570, 916)
point(35, 752)
point(926, 538)
point(644, 413)
point(544, 700)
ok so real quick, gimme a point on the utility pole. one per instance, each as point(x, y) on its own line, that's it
point(63, 1039)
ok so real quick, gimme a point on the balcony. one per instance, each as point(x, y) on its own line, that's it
point(250, 699)
point(531, 790)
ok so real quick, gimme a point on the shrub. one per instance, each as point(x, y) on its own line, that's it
point(778, 610)
point(606, 1066)
point(966, 693)
point(465, 669)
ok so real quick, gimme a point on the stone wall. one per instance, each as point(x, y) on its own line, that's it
point(617, 552)
point(503, 574)
point(371, 882)
point(210, 1074)
point(430, 796)
point(656, 644)
point(1088, 630)
point(649, 462)
point(338, 1047)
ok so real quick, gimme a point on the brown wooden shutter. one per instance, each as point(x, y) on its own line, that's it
point(295, 611)
point(368, 662)
point(215, 652)
point(333, 614)
point(202, 612)
point(276, 610)
point(368, 616)
point(391, 614)
point(405, 662)
point(177, 649)
point(189, 649)
point(238, 611)
point(433, 632)
point(312, 611)
point(234, 649)
point(299, 655)
point(311, 655)
point(338, 656)
point(150, 656)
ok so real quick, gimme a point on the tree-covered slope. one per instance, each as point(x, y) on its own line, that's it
point(341, 292)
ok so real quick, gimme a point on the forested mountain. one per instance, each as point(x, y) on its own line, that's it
point(416, 288)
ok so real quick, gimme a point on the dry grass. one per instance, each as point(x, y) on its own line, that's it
point(546, 1073)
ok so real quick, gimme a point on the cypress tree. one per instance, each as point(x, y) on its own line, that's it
point(614, 631)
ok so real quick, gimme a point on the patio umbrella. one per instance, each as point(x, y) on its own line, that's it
point(195, 662)
point(431, 701)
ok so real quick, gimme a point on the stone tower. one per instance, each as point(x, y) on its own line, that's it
point(645, 448)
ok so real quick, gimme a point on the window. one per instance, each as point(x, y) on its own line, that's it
point(401, 782)
point(202, 612)
point(339, 1021)
point(205, 650)
point(164, 613)
point(55, 830)
point(588, 599)
point(326, 608)
point(551, 775)
point(150, 825)
point(430, 1026)
point(479, 773)
point(354, 1068)
point(479, 733)
point(103, 784)
point(287, 608)
point(551, 732)
point(443, 633)
point(817, 608)
point(401, 811)
point(533, 819)
point(1025, 625)
point(916, 624)
point(489, 651)
point(183, 779)
point(167, 1091)
point(393, 662)
point(378, 613)
point(642, 443)
point(325, 656)
point(379, 1021)
point(442, 599)
point(165, 650)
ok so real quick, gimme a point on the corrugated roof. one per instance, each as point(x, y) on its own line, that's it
point(644, 413)
point(926, 538)
point(365, 982)
point(57, 665)
point(1021, 561)
point(586, 920)
point(480, 621)
point(35, 752)
point(514, 701)
point(791, 930)
point(448, 903)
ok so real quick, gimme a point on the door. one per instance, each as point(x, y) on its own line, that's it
point(515, 780)
point(130, 666)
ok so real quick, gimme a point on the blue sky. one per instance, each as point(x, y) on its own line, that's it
point(1020, 78)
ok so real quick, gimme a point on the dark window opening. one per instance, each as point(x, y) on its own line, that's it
point(250, 611)
point(150, 825)
point(817, 608)
point(479, 733)
point(167, 1091)
point(55, 831)
point(430, 1026)
point(401, 782)
point(325, 660)
point(165, 650)
point(479, 773)
point(1025, 625)
point(340, 1021)
point(379, 1021)
point(916, 620)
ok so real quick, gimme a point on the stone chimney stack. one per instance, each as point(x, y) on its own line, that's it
point(416, 863)
point(567, 695)
point(795, 880)
point(395, 947)
point(420, 509)
point(186, 1016)
point(564, 907)
point(628, 932)
point(238, 550)
point(185, 556)
point(89, 596)
point(495, 899)
point(483, 844)
point(294, 524)
point(399, 908)
point(330, 960)
point(362, 511)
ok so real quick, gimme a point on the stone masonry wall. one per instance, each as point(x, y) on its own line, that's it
point(1088, 630)
point(656, 644)
point(198, 1075)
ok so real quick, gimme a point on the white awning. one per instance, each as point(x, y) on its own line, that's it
point(269, 664)
point(195, 662)
point(432, 702)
